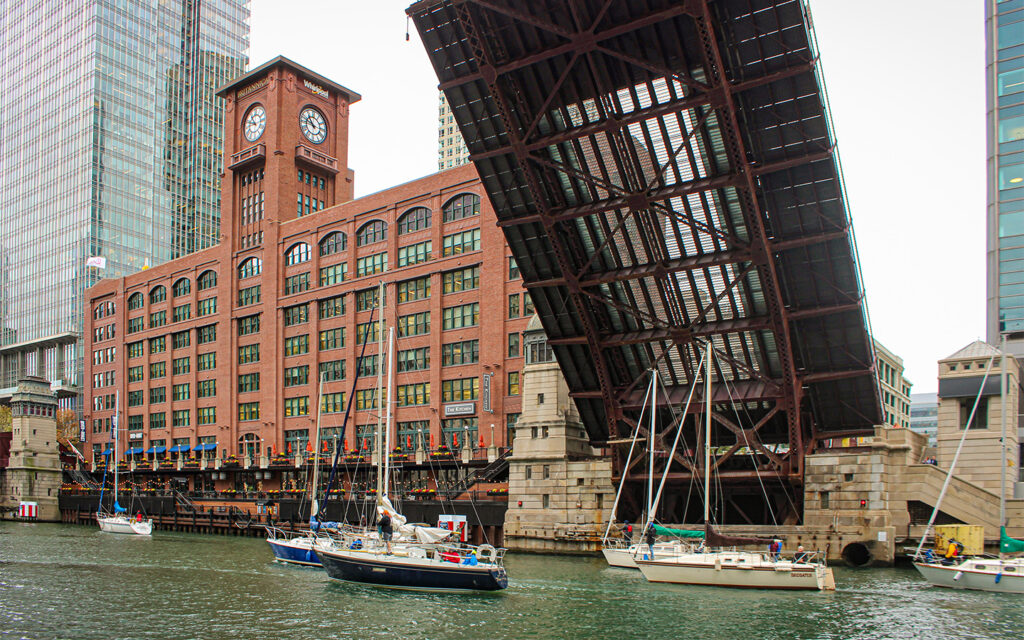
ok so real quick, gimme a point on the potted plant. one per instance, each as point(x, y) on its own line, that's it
point(230, 461)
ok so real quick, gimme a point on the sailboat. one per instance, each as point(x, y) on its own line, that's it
point(426, 565)
point(987, 573)
point(617, 554)
point(714, 564)
point(118, 522)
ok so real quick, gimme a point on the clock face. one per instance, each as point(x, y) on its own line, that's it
point(255, 123)
point(313, 125)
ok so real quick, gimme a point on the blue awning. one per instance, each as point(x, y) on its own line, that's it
point(108, 451)
point(209, 446)
point(133, 451)
point(179, 448)
point(156, 449)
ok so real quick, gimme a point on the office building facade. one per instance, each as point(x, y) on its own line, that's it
point(110, 146)
point(451, 147)
point(894, 388)
point(225, 349)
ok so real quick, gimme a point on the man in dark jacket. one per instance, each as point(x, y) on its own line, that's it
point(385, 530)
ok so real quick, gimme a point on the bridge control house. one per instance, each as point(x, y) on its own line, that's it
point(214, 360)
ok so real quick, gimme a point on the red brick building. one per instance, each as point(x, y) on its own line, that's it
point(223, 350)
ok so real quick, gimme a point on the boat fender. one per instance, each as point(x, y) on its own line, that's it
point(718, 564)
point(999, 576)
point(959, 574)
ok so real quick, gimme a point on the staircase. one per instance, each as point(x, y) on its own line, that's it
point(487, 474)
point(82, 478)
point(183, 503)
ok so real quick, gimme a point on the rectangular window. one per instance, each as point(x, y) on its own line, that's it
point(135, 423)
point(527, 305)
point(466, 315)
point(461, 242)
point(296, 283)
point(248, 353)
point(206, 388)
point(333, 370)
point(456, 353)
point(367, 299)
point(414, 359)
point(366, 399)
point(136, 324)
point(980, 420)
point(248, 411)
point(513, 345)
point(513, 306)
point(157, 319)
point(183, 312)
point(296, 345)
point(158, 420)
point(182, 417)
point(460, 389)
point(206, 307)
point(332, 307)
point(414, 435)
point(296, 315)
point(206, 334)
point(334, 274)
point(206, 361)
point(368, 331)
point(414, 254)
point(416, 289)
point(413, 394)
point(136, 374)
point(248, 382)
point(458, 432)
point(366, 366)
point(296, 406)
point(135, 349)
point(135, 398)
point(369, 265)
point(181, 339)
point(296, 375)
point(181, 391)
point(332, 339)
point(249, 295)
point(249, 325)
point(181, 366)
point(513, 269)
point(158, 345)
point(157, 370)
point(333, 402)
point(295, 441)
point(157, 395)
point(415, 324)
point(513, 383)
point(461, 279)
point(206, 415)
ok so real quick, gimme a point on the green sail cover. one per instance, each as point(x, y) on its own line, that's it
point(1008, 544)
point(680, 533)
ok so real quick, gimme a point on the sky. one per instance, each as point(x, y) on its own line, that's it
point(906, 88)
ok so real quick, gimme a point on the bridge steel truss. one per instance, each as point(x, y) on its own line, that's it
point(665, 174)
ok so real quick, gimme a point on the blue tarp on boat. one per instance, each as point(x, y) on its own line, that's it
point(118, 508)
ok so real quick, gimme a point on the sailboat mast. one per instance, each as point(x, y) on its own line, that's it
point(387, 420)
point(117, 411)
point(380, 394)
point(650, 450)
point(315, 501)
point(1002, 438)
point(707, 436)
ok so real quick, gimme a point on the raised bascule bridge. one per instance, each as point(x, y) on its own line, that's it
point(665, 173)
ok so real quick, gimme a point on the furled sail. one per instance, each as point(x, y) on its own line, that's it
point(677, 533)
point(426, 535)
point(714, 539)
point(1008, 544)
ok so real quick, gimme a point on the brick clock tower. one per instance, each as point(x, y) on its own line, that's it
point(286, 150)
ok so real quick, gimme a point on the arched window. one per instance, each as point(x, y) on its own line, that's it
point(461, 206)
point(414, 220)
point(372, 231)
point(182, 287)
point(135, 301)
point(250, 267)
point(299, 253)
point(333, 243)
point(206, 280)
point(249, 445)
point(158, 294)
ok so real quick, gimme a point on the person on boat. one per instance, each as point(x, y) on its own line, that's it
point(138, 516)
point(775, 549)
point(385, 530)
point(628, 530)
point(952, 551)
point(649, 538)
point(801, 555)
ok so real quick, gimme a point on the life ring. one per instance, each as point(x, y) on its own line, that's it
point(486, 553)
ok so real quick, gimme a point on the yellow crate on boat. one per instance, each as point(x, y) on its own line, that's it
point(972, 536)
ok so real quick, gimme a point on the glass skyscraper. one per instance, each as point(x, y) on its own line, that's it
point(111, 143)
point(1004, 80)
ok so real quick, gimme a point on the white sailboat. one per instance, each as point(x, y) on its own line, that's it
point(729, 567)
point(118, 521)
point(1000, 574)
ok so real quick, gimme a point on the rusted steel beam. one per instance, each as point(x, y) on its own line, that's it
point(829, 376)
point(740, 391)
point(808, 240)
point(677, 334)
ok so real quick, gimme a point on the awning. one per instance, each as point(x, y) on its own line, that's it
point(133, 451)
point(209, 446)
point(179, 448)
point(108, 451)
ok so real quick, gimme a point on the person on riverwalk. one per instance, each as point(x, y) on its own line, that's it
point(649, 538)
point(384, 527)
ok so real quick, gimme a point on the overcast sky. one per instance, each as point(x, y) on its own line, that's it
point(905, 82)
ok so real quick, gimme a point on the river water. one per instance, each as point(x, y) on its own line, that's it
point(65, 581)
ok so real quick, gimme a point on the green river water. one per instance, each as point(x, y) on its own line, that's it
point(75, 582)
